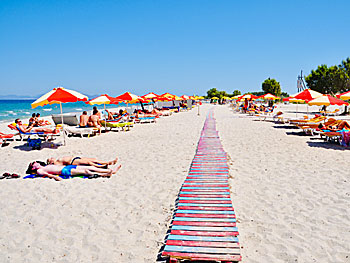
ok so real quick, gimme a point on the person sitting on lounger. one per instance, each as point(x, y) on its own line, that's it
point(94, 120)
point(94, 109)
point(54, 170)
point(84, 118)
point(70, 160)
point(25, 129)
point(110, 115)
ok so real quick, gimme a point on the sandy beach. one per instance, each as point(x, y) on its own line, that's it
point(290, 192)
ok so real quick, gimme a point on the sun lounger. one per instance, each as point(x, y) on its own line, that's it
point(80, 131)
point(125, 126)
point(26, 135)
point(147, 119)
point(69, 119)
point(4, 137)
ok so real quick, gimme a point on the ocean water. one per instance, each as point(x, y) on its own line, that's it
point(13, 109)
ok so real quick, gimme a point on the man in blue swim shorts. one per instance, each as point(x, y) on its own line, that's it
point(54, 171)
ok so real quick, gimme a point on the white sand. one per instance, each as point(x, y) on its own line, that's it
point(291, 194)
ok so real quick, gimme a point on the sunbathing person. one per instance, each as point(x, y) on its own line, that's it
point(94, 109)
point(110, 115)
point(83, 121)
point(25, 129)
point(337, 126)
point(53, 170)
point(70, 160)
point(94, 120)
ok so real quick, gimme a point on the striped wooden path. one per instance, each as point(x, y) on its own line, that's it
point(204, 223)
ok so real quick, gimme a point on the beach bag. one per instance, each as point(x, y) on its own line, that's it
point(34, 143)
point(345, 139)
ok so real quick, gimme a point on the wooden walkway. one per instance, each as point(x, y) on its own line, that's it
point(204, 222)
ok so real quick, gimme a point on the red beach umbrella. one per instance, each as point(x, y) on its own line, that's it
point(307, 95)
point(327, 100)
point(59, 95)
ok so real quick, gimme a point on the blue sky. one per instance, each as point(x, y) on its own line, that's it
point(181, 47)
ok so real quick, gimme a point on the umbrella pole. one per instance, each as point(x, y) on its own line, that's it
point(104, 105)
point(64, 135)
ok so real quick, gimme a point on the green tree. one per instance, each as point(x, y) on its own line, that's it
point(213, 92)
point(328, 80)
point(271, 86)
point(284, 94)
point(236, 93)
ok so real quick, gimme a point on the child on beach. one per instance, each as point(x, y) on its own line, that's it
point(54, 170)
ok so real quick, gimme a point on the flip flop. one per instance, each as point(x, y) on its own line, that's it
point(5, 175)
point(14, 176)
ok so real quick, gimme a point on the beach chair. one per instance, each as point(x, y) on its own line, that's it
point(4, 137)
point(80, 131)
point(69, 119)
point(111, 124)
point(145, 119)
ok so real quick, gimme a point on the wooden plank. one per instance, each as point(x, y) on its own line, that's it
point(188, 211)
point(206, 257)
point(204, 188)
point(204, 185)
point(205, 204)
point(204, 228)
point(204, 215)
point(204, 233)
point(190, 249)
point(181, 201)
point(202, 243)
point(204, 223)
point(195, 218)
point(205, 198)
point(203, 238)
point(206, 208)
point(203, 195)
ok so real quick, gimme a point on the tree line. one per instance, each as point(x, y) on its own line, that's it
point(324, 79)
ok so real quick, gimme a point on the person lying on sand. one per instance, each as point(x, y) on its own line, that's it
point(53, 170)
point(23, 128)
point(71, 160)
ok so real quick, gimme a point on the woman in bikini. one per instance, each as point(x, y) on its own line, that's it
point(70, 160)
point(54, 171)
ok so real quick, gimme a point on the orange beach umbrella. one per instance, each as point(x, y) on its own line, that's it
point(59, 95)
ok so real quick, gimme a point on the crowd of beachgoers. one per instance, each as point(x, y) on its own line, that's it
point(289, 191)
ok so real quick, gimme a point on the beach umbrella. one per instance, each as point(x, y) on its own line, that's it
point(185, 97)
point(307, 95)
point(150, 95)
point(103, 99)
point(345, 95)
point(327, 100)
point(58, 96)
point(248, 96)
point(269, 96)
point(128, 97)
point(214, 98)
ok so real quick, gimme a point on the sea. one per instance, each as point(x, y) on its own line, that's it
point(13, 109)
